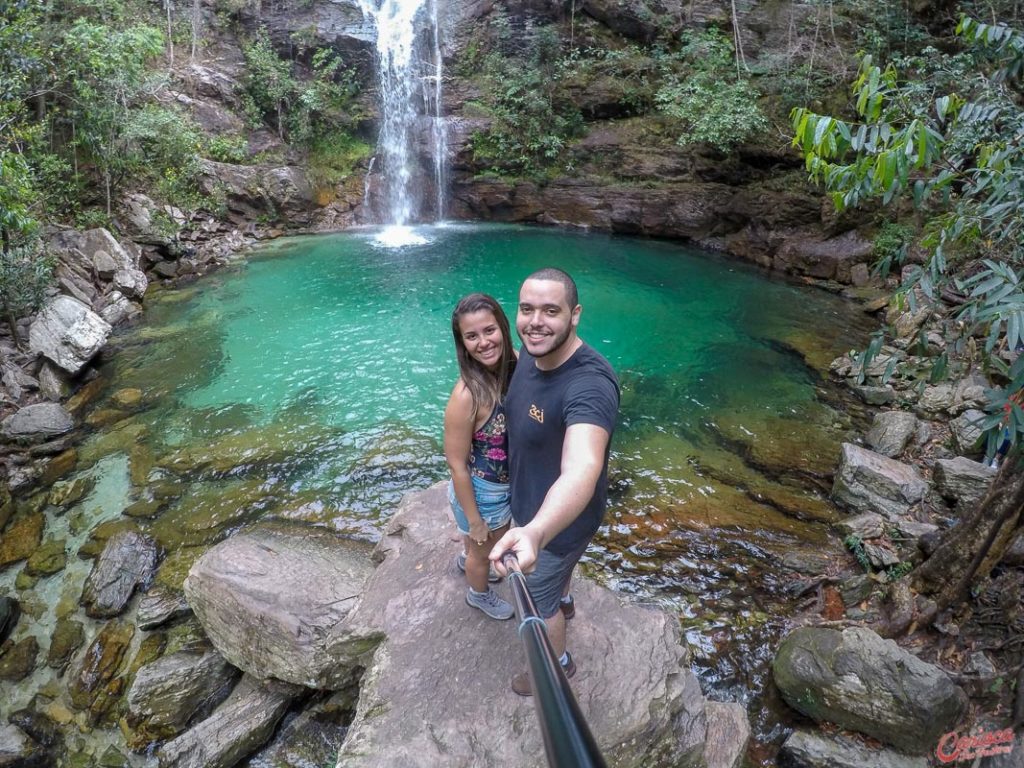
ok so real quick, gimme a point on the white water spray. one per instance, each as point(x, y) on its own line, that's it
point(410, 74)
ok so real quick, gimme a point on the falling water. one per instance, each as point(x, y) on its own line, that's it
point(409, 70)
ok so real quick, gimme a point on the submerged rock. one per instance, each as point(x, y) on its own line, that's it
point(17, 660)
point(166, 694)
point(292, 588)
point(10, 611)
point(17, 749)
point(859, 681)
point(21, 538)
point(420, 699)
point(100, 665)
point(68, 637)
point(128, 561)
point(236, 728)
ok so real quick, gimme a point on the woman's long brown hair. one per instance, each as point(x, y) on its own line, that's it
point(485, 387)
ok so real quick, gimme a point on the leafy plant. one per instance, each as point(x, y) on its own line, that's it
point(855, 544)
point(532, 120)
point(960, 158)
point(714, 102)
point(25, 274)
point(298, 110)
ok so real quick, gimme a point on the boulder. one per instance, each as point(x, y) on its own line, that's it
point(891, 432)
point(274, 602)
point(962, 481)
point(118, 308)
point(251, 192)
point(16, 381)
point(21, 538)
point(420, 698)
point(865, 526)
point(54, 382)
point(859, 681)
point(809, 749)
point(100, 665)
point(18, 659)
point(99, 245)
point(237, 727)
point(159, 606)
point(167, 693)
point(68, 637)
point(17, 750)
point(869, 482)
point(937, 399)
point(128, 560)
point(967, 431)
point(68, 333)
point(37, 423)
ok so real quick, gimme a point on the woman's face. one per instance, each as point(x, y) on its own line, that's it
point(482, 337)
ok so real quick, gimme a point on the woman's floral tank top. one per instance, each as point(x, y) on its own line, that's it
point(488, 459)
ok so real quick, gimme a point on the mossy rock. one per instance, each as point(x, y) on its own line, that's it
point(67, 492)
point(59, 466)
point(68, 637)
point(174, 568)
point(101, 534)
point(25, 581)
point(17, 660)
point(50, 558)
point(202, 517)
point(21, 538)
point(91, 686)
point(187, 636)
point(145, 508)
point(120, 440)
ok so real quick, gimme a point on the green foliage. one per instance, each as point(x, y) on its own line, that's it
point(25, 274)
point(532, 120)
point(715, 103)
point(896, 572)
point(890, 246)
point(297, 110)
point(227, 149)
point(334, 156)
point(855, 544)
point(959, 156)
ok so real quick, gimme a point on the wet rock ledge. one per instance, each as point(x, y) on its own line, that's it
point(296, 610)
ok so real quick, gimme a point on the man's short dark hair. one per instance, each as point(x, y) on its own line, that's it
point(559, 276)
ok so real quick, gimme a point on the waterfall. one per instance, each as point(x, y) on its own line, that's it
point(409, 71)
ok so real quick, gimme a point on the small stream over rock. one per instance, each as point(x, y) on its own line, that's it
point(308, 386)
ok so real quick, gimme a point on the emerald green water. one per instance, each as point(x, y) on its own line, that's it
point(309, 384)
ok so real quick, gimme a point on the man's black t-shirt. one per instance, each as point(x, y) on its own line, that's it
point(540, 405)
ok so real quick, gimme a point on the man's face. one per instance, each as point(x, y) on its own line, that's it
point(544, 320)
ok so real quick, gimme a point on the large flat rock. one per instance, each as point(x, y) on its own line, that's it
point(437, 692)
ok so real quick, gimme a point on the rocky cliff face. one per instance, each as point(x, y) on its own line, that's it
point(626, 174)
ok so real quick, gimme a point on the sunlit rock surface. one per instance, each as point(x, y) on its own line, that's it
point(437, 692)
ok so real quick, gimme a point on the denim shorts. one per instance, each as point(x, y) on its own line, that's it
point(492, 501)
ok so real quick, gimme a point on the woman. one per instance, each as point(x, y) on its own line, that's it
point(475, 443)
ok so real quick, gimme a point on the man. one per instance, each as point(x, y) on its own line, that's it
point(560, 409)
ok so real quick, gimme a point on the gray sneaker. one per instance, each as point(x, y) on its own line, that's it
point(460, 563)
point(490, 603)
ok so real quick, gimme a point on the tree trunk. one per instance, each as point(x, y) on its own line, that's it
point(12, 323)
point(970, 550)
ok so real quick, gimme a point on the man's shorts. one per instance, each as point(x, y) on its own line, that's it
point(493, 501)
point(548, 580)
